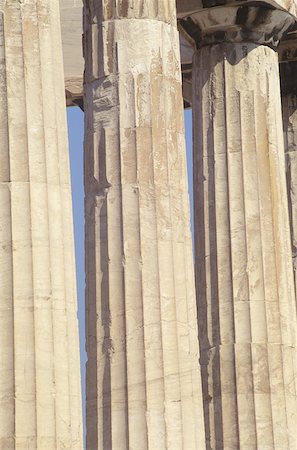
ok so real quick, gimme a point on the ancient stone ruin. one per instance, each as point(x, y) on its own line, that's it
point(187, 350)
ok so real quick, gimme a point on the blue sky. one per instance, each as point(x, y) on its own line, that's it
point(75, 129)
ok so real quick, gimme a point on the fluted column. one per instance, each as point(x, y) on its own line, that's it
point(244, 278)
point(288, 70)
point(143, 383)
point(40, 396)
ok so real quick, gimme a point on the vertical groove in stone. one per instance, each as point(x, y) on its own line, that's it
point(163, 10)
point(289, 108)
point(43, 396)
point(7, 387)
point(42, 314)
point(244, 275)
point(23, 290)
point(142, 373)
point(73, 354)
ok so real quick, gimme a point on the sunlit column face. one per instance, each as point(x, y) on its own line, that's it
point(39, 366)
point(245, 292)
point(141, 323)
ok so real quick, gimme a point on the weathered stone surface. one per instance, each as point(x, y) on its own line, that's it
point(71, 27)
point(288, 69)
point(71, 23)
point(250, 22)
point(71, 17)
point(245, 291)
point(289, 106)
point(187, 7)
point(143, 381)
point(231, 22)
point(40, 398)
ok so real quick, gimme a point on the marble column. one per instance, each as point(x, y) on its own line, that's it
point(244, 277)
point(288, 71)
point(40, 395)
point(143, 381)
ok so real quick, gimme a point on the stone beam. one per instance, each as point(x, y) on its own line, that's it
point(186, 8)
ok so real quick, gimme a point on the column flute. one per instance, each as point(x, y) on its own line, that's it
point(40, 394)
point(287, 51)
point(244, 278)
point(143, 382)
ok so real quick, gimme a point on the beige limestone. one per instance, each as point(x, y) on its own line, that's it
point(143, 381)
point(71, 28)
point(288, 70)
point(71, 24)
point(40, 396)
point(245, 292)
